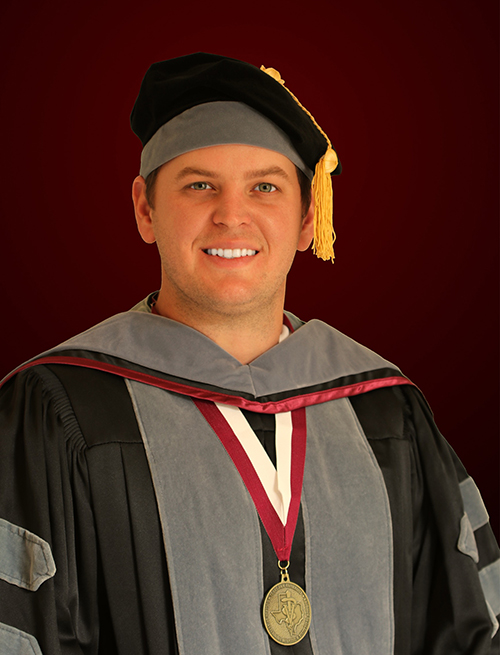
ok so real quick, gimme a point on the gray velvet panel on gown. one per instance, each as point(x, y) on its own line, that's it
point(349, 574)
point(210, 528)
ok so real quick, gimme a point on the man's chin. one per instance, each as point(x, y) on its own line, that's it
point(238, 303)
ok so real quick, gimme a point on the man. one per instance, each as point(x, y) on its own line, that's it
point(156, 494)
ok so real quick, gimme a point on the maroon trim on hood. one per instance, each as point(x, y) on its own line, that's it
point(314, 397)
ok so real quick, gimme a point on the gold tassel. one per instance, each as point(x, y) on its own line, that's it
point(324, 236)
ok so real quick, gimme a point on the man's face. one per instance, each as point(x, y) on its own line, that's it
point(226, 200)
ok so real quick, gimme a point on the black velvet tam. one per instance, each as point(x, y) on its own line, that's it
point(170, 87)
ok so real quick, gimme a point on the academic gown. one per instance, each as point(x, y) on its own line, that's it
point(88, 561)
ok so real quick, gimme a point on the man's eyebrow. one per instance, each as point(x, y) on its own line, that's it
point(263, 172)
point(190, 170)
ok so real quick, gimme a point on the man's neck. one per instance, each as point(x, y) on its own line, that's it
point(245, 336)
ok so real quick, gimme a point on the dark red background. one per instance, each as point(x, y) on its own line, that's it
point(408, 94)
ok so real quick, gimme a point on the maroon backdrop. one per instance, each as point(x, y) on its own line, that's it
point(408, 94)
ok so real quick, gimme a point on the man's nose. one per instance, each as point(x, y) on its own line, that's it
point(231, 209)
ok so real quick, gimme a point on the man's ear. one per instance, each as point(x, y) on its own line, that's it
point(307, 229)
point(143, 210)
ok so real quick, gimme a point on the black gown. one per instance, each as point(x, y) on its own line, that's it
point(75, 473)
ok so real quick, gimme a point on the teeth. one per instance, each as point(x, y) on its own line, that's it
point(227, 253)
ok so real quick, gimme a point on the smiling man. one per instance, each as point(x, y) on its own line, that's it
point(208, 474)
point(227, 221)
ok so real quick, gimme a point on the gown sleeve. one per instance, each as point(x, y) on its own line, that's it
point(48, 575)
point(446, 560)
point(457, 566)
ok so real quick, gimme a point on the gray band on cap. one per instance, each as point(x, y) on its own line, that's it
point(216, 124)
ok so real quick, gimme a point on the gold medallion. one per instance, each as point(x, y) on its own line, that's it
point(286, 612)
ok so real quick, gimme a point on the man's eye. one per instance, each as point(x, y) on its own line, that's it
point(265, 187)
point(200, 186)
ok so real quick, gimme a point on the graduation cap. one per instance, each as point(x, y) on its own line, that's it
point(203, 100)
